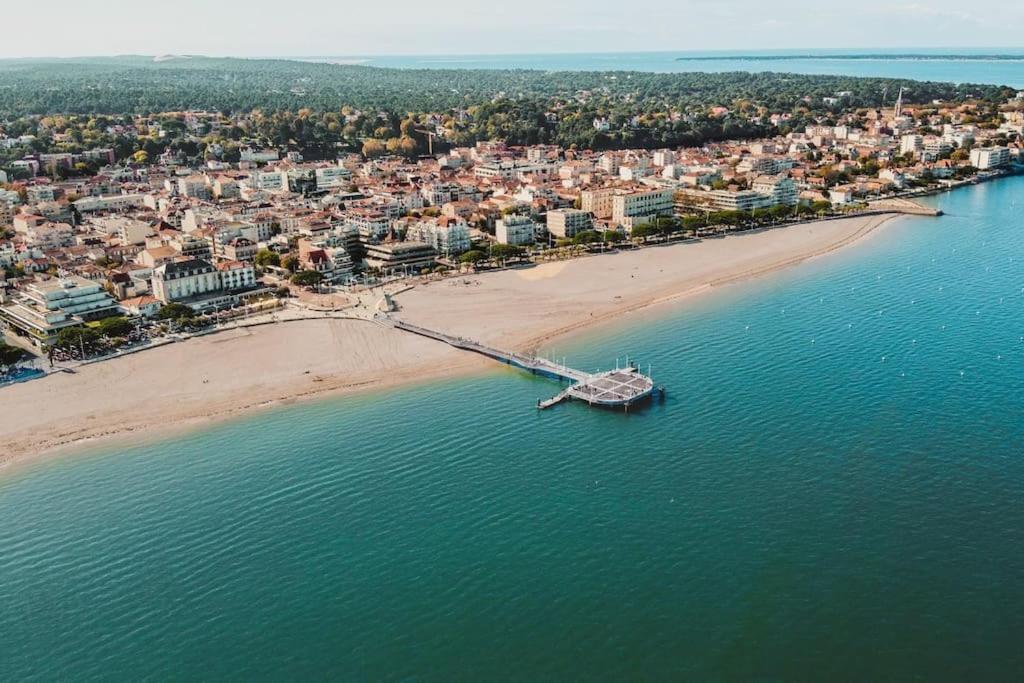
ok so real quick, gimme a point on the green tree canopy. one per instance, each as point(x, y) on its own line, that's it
point(307, 278)
point(77, 338)
point(472, 256)
point(266, 257)
point(502, 252)
point(175, 311)
point(114, 326)
point(9, 355)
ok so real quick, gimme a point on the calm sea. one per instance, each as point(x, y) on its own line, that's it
point(831, 490)
point(954, 65)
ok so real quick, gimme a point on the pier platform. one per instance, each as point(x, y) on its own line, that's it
point(619, 388)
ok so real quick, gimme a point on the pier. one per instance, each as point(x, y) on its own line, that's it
point(619, 388)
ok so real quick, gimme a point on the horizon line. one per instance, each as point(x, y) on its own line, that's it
point(744, 51)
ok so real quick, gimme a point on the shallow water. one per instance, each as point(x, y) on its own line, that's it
point(831, 490)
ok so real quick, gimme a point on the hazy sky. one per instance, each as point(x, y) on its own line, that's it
point(343, 27)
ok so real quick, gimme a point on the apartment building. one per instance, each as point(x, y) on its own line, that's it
point(566, 223)
point(599, 203)
point(986, 158)
point(779, 189)
point(448, 236)
point(640, 207)
point(517, 230)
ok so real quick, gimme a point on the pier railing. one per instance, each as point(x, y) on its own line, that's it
point(532, 363)
point(620, 388)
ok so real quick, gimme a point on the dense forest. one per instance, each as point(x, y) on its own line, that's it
point(119, 85)
point(319, 108)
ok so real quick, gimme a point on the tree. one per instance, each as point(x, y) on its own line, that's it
point(502, 252)
point(291, 263)
point(473, 256)
point(307, 278)
point(693, 223)
point(373, 149)
point(174, 311)
point(644, 231)
point(266, 257)
point(77, 338)
point(587, 237)
point(115, 326)
point(9, 355)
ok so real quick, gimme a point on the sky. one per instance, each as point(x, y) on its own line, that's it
point(256, 28)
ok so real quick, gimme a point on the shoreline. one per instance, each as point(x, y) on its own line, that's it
point(513, 309)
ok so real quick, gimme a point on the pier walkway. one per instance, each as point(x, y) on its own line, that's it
point(614, 388)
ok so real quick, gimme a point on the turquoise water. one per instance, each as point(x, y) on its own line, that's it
point(822, 495)
point(958, 68)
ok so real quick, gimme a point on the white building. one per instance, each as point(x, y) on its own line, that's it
point(641, 207)
point(48, 306)
point(911, 144)
point(39, 193)
point(179, 280)
point(566, 223)
point(331, 177)
point(117, 202)
point(236, 275)
point(780, 189)
point(272, 181)
point(127, 230)
point(259, 155)
point(448, 236)
point(985, 158)
point(517, 230)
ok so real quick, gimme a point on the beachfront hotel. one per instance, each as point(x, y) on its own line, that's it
point(46, 307)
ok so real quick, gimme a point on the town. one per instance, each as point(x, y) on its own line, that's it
point(102, 254)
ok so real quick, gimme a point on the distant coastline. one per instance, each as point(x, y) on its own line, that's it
point(916, 57)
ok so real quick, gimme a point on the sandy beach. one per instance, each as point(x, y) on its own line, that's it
point(213, 377)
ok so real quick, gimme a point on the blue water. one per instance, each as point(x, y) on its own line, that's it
point(962, 69)
point(832, 490)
